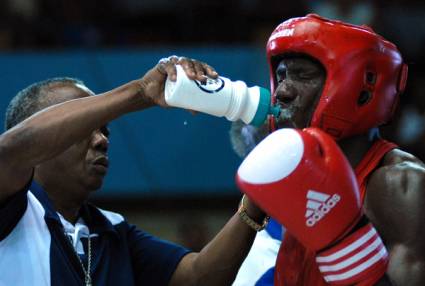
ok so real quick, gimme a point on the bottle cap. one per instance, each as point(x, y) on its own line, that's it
point(264, 108)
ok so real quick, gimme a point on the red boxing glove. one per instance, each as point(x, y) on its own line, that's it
point(303, 180)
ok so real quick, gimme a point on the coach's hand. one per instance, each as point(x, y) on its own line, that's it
point(152, 83)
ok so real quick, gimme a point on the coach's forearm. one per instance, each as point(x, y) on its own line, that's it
point(54, 129)
point(219, 261)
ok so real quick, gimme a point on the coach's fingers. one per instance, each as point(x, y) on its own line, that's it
point(209, 70)
point(196, 69)
point(167, 66)
point(188, 66)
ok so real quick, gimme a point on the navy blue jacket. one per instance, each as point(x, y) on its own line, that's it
point(34, 249)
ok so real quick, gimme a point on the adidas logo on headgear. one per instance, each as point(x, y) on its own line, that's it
point(318, 205)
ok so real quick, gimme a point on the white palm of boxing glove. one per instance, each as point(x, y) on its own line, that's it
point(302, 178)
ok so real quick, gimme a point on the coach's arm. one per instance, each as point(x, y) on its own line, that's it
point(219, 261)
point(52, 130)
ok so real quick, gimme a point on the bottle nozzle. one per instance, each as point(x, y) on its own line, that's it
point(274, 110)
point(265, 108)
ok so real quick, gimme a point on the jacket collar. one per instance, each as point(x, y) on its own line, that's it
point(94, 219)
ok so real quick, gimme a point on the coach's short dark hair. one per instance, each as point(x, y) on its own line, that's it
point(33, 99)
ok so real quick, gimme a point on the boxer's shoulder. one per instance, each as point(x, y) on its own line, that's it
point(398, 172)
point(397, 158)
point(395, 195)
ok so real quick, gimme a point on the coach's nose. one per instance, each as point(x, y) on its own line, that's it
point(100, 141)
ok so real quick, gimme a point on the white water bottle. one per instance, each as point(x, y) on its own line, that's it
point(220, 97)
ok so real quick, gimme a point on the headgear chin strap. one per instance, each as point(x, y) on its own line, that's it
point(364, 72)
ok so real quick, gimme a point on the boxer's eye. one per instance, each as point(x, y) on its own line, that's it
point(281, 73)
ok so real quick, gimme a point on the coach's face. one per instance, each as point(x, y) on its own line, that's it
point(300, 81)
point(83, 166)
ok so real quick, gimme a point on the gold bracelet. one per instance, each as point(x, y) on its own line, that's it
point(248, 220)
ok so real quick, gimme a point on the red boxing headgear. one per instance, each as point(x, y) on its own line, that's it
point(364, 72)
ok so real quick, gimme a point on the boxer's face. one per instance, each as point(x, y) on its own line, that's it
point(300, 81)
point(83, 166)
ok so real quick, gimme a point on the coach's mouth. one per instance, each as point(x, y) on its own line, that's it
point(101, 164)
